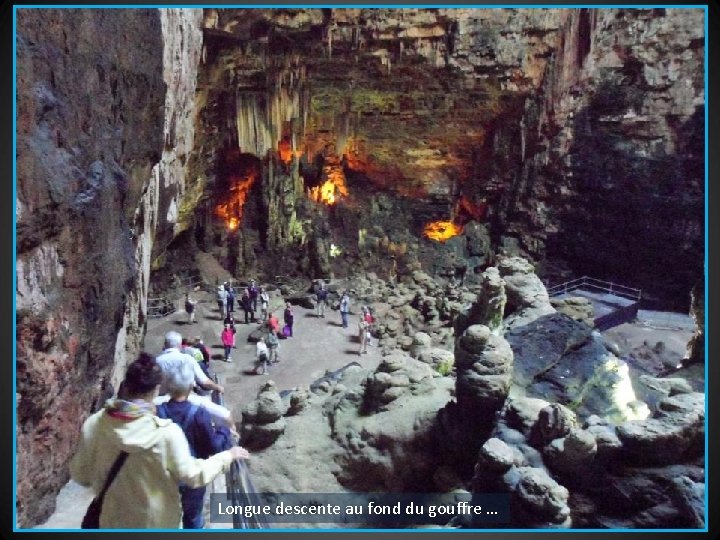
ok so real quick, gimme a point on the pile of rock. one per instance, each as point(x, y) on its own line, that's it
point(643, 473)
point(262, 419)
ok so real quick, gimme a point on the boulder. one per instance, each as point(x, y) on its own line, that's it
point(522, 413)
point(527, 298)
point(262, 419)
point(676, 429)
point(303, 300)
point(484, 370)
point(572, 455)
point(396, 375)
point(689, 498)
point(489, 306)
point(496, 456)
point(554, 421)
point(577, 308)
point(539, 501)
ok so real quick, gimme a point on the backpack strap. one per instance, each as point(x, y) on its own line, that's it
point(189, 417)
point(161, 411)
point(112, 474)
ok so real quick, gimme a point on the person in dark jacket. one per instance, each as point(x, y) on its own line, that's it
point(230, 299)
point(246, 304)
point(253, 292)
point(203, 438)
point(289, 318)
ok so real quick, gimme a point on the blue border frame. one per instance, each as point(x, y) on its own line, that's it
point(370, 6)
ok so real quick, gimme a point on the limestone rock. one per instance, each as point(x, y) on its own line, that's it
point(441, 360)
point(554, 421)
point(299, 401)
point(522, 413)
point(396, 375)
point(495, 456)
point(524, 288)
point(540, 499)
point(262, 420)
point(577, 308)
point(676, 429)
point(421, 342)
point(484, 369)
point(573, 454)
point(489, 306)
point(696, 346)
point(689, 498)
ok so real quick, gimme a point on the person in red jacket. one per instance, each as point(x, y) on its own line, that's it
point(273, 323)
point(228, 340)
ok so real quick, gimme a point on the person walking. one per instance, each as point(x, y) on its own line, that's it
point(227, 336)
point(273, 323)
point(289, 318)
point(264, 303)
point(222, 300)
point(203, 438)
point(190, 308)
point(262, 357)
point(344, 308)
point(230, 299)
point(253, 292)
point(150, 456)
point(370, 320)
point(321, 300)
point(246, 305)
point(172, 355)
point(273, 344)
point(362, 335)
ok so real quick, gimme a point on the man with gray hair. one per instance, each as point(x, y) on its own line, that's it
point(168, 361)
point(203, 438)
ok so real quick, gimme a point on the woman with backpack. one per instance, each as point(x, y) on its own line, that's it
point(203, 438)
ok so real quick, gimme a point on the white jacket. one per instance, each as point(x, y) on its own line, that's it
point(144, 493)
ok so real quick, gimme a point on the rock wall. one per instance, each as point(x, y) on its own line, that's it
point(167, 196)
point(95, 88)
point(609, 152)
point(575, 135)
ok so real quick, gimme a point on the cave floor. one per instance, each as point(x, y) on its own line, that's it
point(318, 345)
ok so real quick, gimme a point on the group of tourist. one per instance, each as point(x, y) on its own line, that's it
point(163, 439)
point(152, 450)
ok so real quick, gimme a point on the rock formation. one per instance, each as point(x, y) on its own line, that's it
point(262, 420)
point(96, 173)
point(324, 142)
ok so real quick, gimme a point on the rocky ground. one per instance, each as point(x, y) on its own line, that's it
point(528, 400)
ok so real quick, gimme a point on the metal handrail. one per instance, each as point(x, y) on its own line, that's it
point(239, 486)
point(598, 284)
point(160, 306)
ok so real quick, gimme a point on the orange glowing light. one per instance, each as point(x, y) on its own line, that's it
point(441, 231)
point(230, 210)
point(286, 153)
point(333, 188)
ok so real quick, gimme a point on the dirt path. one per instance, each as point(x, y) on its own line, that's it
point(318, 345)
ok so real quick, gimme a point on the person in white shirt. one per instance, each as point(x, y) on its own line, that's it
point(172, 354)
point(262, 356)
